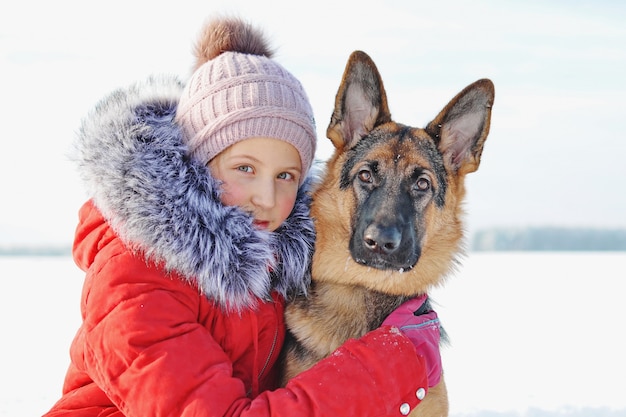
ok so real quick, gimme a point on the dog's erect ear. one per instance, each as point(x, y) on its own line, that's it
point(461, 128)
point(360, 103)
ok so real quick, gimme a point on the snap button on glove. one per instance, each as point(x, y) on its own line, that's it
point(423, 329)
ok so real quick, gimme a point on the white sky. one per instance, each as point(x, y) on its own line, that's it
point(556, 149)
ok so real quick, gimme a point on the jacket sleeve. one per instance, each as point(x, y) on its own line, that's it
point(377, 375)
point(143, 345)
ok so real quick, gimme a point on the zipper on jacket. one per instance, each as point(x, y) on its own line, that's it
point(271, 353)
point(254, 389)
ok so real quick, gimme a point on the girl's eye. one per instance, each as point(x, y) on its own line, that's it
point(285, 176)
point(244, 168)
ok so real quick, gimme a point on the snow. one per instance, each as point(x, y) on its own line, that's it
point(531, 333)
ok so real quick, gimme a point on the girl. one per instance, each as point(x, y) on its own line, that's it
point(196, 233)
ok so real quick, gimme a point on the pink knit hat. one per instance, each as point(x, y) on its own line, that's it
point(237, 92)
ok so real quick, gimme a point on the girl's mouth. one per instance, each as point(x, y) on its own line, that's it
point(261, 224)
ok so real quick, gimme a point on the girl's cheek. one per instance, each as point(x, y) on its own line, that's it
point(229, 196)
point(287, 206)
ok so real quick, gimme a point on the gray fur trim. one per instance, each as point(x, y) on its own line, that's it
point(166, 205)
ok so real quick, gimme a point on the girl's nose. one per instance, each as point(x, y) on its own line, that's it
point(264, 194)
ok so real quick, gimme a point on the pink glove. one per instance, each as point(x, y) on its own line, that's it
point(423, 330)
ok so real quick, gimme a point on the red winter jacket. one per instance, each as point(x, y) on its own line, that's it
point(180, 315)
point(152, 345)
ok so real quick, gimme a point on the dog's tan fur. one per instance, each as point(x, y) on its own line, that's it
point(348, 298)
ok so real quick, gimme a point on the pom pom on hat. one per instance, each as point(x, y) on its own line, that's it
point(238, 92)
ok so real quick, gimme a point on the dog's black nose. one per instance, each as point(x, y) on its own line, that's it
point(381, 239)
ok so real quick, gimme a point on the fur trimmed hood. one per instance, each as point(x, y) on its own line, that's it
point(166, 205)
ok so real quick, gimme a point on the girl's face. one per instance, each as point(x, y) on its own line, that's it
point(260, 175)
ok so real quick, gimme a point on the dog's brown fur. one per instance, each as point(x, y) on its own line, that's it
point(387, 214)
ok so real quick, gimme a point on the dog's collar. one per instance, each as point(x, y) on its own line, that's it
point(424, 306)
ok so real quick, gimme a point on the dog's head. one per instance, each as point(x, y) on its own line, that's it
point(388, 213)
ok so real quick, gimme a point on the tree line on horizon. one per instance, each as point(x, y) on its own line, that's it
point(485, 240)
point(548, 239)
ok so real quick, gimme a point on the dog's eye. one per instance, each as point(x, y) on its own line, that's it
point(422, 184)
point(365, 175)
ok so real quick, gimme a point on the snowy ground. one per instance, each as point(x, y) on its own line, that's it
point(532, 334)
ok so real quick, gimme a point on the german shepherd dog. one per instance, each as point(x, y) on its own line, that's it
point(387, 214)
